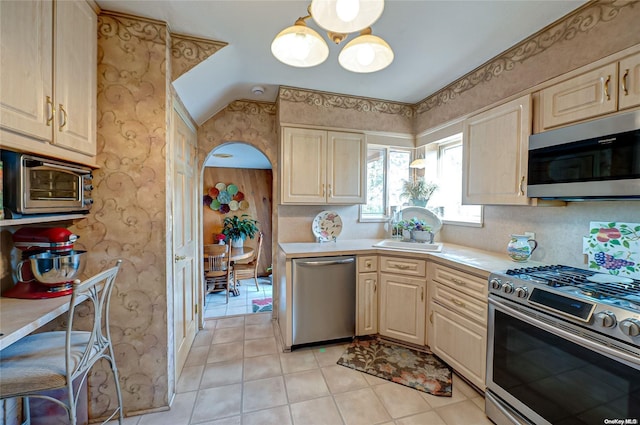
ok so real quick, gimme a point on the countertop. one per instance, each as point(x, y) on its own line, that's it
point(472, 260)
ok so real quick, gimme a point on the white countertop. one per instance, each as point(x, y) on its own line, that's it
point(472, 260)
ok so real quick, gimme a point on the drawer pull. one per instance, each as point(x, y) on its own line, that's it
point(624, 82)
point(421, 294)
point(401, 266)
point(458, 302)
point(431, 317)
point(375, 286)
point(458, 281)
point(606, 87)
point(368, 264)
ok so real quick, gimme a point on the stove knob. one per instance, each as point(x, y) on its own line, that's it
point(630, 327)
point(522, 292)
point(507, 288)
point(606, 319)
point(495, 284)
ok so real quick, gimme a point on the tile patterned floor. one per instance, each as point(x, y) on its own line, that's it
point(237, 375)
point(216, 303)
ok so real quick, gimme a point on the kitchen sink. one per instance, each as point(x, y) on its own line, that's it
point(408, 245)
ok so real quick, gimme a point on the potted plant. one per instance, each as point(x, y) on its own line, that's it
point(417, 191)
point(415, 229)
point(237, 229)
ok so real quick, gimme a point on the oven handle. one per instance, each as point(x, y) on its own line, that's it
point(57, 166)
point(567, 335)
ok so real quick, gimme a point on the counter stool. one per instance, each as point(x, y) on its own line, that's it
point(53, 360)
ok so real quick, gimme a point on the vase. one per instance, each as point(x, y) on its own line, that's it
point(237, 243)
point(520, 247)
point(422, 236)
point(419, 202)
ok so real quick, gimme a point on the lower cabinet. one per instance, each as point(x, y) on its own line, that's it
point(403, 299)
point(457, 324)
point(367, 295)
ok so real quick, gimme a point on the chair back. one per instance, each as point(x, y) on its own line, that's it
point(96, 290)
point(258, 248)
point(216, 257)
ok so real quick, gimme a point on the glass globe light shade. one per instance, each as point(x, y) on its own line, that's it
point(346, 16)
point(366, 53)
point(299, 46)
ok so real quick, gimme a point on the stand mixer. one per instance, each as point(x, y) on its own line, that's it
point(49, 264)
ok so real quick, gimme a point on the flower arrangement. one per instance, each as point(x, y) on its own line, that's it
point(219, 238)
point(413, 224)
point(418, 191)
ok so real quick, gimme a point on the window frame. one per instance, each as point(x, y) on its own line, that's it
point(387, 209)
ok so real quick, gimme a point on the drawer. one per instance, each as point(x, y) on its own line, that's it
point(462, 282)
point(368, 263)
point(460, 303)
point(406, 266)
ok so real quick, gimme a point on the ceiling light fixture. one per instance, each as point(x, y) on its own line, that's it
point(300, 46)
point(418, 163)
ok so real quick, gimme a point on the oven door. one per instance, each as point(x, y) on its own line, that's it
point(550, 372)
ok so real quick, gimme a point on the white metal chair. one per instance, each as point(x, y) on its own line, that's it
point(249, 270)
point(217, 269)
point(54, 360)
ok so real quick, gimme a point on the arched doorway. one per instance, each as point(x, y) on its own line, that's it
point(248, 170)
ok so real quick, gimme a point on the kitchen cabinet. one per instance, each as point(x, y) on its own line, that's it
point(629, 82)
point(604, 90)
point(48, 80)
point(457, 325)
point(495, 148)
point(367, 298)
point(323, 167)
point(402, 302)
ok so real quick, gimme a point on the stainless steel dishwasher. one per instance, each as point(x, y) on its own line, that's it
point(324, 299)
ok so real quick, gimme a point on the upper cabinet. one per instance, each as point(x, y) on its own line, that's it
point(495, 149)
point(604, 90)
point(323, 167)
point(48, 80)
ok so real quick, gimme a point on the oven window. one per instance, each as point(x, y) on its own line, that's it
point(561, 381)
point(614, 158)
point(53, 185)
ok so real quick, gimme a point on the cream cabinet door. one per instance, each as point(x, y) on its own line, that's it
point(629, 95)
point(346, 165)
point(26, 45)
point(588, 95)
point(460, 342)
point(367, 308)
point(304, 165)
point(495, 151)
point(402, 308)
point(75, 76)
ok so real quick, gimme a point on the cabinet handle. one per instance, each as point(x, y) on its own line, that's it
point(624, 82)
point(401, 266)
point(367, 264)
point(458, 302)
point(421, 294)
point(431, 317)
point(330, 192)
point(64, 117)
point(522, 186)
point(179, 258)
point(606, 87)
point(52, 111)
point(375, 286)
point(458, 281)
point(323, 192)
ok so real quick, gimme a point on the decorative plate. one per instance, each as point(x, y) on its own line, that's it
point(213, 192)
point(244, 205)
point(327, 226)
point(423, 214)
point(224, 197)
point(232, 189)
point(239, 196)
point(233, 205)
point(221, 186)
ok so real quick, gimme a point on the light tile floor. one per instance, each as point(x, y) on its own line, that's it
point(216, 303)
point(236, 374)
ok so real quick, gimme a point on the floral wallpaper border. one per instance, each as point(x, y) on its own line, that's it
point(582, 20)
point(188, 51)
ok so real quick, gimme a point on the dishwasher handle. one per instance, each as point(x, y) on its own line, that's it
point(327, 262)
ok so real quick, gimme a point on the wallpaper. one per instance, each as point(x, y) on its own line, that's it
point(128, 219)
point(187, 52)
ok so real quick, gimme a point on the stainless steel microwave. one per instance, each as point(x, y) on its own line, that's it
point(36, 185)
point(594, 160)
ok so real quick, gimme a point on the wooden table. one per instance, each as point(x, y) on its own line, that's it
point(238, 254)
point(20, 317)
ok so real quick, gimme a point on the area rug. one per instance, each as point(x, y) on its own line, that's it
point(264, 304)
point(420, 370)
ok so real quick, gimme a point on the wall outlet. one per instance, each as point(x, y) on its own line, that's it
point(531, 235)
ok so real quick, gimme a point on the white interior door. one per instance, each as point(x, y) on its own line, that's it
point(185, 294)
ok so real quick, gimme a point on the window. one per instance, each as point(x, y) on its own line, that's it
point(387, 167)
point(444, 166)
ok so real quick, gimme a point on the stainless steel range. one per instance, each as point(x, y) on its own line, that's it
point(563, 347)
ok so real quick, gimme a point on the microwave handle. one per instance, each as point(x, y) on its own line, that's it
point(34, 163)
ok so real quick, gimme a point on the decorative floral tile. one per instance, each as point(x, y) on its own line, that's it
point(614, 248)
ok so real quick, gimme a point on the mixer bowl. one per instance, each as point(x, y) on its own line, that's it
point(54, 268)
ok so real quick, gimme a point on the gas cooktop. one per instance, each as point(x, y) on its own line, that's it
point(607, 303)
